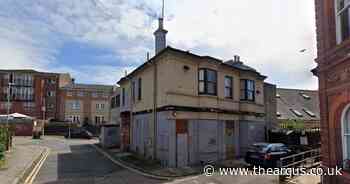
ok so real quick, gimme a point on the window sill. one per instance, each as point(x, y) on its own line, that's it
point(207, 96)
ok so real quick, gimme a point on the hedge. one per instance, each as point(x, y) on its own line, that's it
point(4, 135)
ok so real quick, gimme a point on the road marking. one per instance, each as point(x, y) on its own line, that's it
point(36, 169)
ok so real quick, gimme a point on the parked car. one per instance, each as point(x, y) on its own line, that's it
point(78, 133)
point(266, 154)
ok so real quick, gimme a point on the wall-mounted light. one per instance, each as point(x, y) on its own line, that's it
point(174, 114)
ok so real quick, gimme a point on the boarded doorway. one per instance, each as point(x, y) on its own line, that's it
point(181, 143)
point(229, 139)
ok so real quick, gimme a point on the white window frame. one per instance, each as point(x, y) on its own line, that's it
point(343, 134)
point(337, 19)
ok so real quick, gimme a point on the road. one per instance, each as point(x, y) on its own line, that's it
point(77, 162)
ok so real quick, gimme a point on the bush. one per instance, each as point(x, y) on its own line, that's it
point(3, 141)
point(2, 151)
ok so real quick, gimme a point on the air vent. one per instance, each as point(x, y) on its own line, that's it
point(297, 113)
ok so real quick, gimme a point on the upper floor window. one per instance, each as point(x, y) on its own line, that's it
point(81, 93)
point(139, 89)
point(342, 20)
point(133, 91)
point(247, 90)
point(207, 81)
point(123, 97)
point(75, 105)
point(51, 93)
point(94, 94)
point(69, 93)
point(228, 87)
point(100, 106)
point(115, 101)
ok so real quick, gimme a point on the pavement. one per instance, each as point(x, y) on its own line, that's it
point(306, 180)
point(75, 161)
point(19, 160)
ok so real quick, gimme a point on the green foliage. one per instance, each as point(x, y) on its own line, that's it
point(4, 133)
point(293, 124)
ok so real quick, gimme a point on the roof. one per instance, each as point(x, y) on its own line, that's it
point(88, 86)
point(233, 65)
point(240, 65)
point(26, 71)
point(296, 103)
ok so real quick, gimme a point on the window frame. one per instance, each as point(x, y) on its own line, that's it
point(139, 89)
point(133, 90)
point(123, 97)
point(205, 81)
point(228, 87)
point(344, 135)
point(246, 91)
point(340, 35)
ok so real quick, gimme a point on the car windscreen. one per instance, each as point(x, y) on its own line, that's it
point(259, 147)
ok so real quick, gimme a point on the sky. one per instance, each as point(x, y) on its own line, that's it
point(96, 41)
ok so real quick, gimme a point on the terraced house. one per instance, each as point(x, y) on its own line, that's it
point(183, 108)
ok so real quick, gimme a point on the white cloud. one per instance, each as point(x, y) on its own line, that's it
point(267, 34)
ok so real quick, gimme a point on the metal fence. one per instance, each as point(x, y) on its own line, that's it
point(308, 159)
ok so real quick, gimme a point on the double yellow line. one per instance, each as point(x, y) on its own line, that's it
point(35, 171)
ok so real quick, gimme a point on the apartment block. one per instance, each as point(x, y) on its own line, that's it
point(30, 92)
point(85, 103)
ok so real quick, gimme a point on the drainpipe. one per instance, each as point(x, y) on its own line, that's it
point(155, 109)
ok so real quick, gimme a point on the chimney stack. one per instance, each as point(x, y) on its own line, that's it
point(237, 58)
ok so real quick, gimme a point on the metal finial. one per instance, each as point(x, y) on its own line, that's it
point(163, 10)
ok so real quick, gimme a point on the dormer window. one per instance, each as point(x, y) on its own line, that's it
point(308, 112)
point(297, 113)
point(342, 14)
point(307, 97)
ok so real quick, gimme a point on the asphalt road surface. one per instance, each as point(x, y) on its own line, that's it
point(77, 162)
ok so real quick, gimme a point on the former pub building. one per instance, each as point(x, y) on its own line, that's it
point(182, 108)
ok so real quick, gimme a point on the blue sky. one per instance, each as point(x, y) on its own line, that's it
point(96, 41)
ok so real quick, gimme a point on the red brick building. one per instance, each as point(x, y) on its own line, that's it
point(32, 93)
point(333, 59)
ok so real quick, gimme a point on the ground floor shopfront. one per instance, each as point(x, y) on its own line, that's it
point(189, 138)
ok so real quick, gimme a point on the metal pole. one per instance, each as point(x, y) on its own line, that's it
point(8, 103)
point(44, 110)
